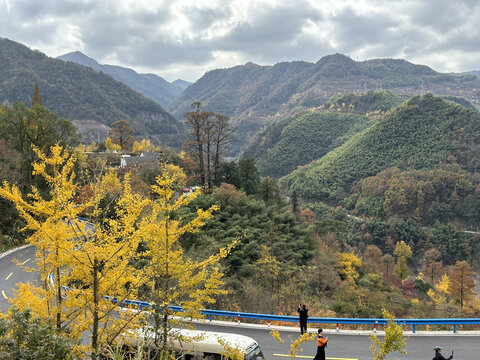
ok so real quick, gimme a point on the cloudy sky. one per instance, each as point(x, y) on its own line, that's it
point(186, 38)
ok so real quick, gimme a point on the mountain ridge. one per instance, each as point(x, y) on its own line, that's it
point(255, 95)
point(150, 85)
point(80, 93)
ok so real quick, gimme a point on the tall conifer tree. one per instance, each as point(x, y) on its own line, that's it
point(37, 97)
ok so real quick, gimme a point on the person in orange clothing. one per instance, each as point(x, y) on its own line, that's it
point(321, 345)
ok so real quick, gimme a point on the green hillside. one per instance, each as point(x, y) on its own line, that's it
point(76, 92)
point(309, 137)
point(298, 140)
point(374, 101)
point(256, 96)
point(422, 133)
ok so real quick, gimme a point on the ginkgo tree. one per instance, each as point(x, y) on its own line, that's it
point(174, 279)
point(82, 267)
point(45, 218)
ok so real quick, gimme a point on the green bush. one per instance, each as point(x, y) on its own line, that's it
point(26, 337)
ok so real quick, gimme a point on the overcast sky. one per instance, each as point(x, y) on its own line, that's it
point(186, 38)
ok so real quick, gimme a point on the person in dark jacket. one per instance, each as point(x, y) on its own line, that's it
point(321, 345)
point(438, 354)
point(303, 316)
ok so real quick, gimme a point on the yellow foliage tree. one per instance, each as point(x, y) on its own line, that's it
point(82, 266)
point(437, 299)
point(403, 253)
point(111, 146)
point(349, 265)
point(144, 145)
point(295, 344)
point(394, 340)
point(443, 285)
point(46, 219)
point(231, 352)
point(174, 279)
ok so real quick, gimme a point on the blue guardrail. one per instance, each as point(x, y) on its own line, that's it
point(318, 320)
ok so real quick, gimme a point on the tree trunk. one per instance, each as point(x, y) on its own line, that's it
point(209, 168)
point(59, 299)
point(95, 311)
point(167, 285)
point(201, 163)
point(461, 293)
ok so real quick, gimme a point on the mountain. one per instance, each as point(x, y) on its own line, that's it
point(423, 133)
point(475, 72)
point(149, 85)
point(255, 96)
point(82, 94)
point(297, 140)
point(182, 84)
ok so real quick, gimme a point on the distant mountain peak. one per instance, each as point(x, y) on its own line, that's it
point(149, 85)
point(80, 58)
point(181, 83)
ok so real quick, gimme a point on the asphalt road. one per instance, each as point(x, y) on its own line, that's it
point(340, 346)
point(12, 272)
point(350, 347)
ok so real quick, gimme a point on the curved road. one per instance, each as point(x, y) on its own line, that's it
point(11, 272)
point(341, 346)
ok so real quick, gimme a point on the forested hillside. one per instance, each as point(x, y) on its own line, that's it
point(300, 139)
point(437, 138)
point(256, 95)
point(79, 93)
point(150, 85)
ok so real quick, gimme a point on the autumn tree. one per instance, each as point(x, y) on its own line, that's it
point(432, 265)
point(144, 145)
point(37, 97)
point(394, 340)
point(121, 133)
point(111, 146)
point(462, 281)
point(372, 257)
point(403, 252)
point(174, 279)
point(349, 266)
point(194, 146)
point(209, 136)
point(227, 193)
point(92, 260)
point(387, 262)
point(295, 344)
point(223, 135)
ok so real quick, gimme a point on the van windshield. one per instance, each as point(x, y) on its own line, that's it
point(254, 353)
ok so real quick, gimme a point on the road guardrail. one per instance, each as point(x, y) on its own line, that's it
point(314, 320)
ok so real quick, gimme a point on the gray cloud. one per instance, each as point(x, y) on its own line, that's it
point(185, 39)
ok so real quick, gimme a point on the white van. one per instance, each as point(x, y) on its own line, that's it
point(197, 344)
point(205, 344)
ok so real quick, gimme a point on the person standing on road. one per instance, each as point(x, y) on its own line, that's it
point(438, 354)
point(303, 316)
point(321, 345)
